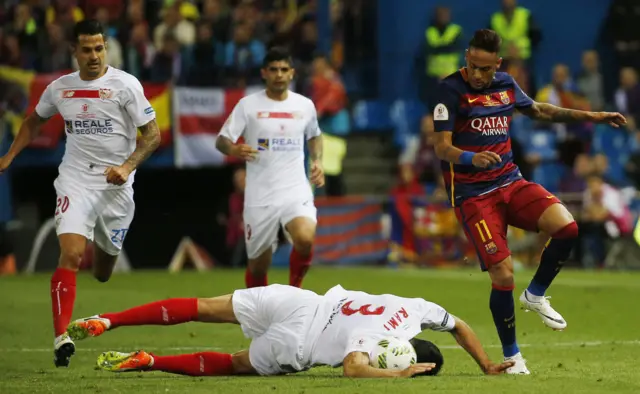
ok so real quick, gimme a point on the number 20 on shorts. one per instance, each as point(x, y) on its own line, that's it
point(483, 230)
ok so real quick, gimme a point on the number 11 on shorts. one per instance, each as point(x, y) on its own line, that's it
point(486, 234)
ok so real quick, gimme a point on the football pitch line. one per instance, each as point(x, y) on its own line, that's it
point(634, 342)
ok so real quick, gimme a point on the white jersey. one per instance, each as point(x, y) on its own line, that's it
point(101, 118)
point(357, 321)
point(277, 129)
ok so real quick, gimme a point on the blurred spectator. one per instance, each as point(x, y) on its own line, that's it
point(183, 30)
point(65, 13)
point(330, 98)
point(605, 215)
point(306, 44)
point(590, 81)
point(622, 28)
point(24, 25)
point(627, 96)
point(167, 63)
point(202, 69)
point(114, 8)
point(56, 56)
point(217, 15)
point(114, 49)
point(442, 50)
point(420, 154)
point(243, 56)
point(517, 67)
point(12, 55)
point(403, 242)
point(562, 92)
point(140, 52)
point(187, 9)
point(246, 12)
point(516, 26)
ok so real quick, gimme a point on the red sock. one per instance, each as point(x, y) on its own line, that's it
point(254, 280)
point(196, 364)
point(298, 267)
point(63, 296)
point(165, 312)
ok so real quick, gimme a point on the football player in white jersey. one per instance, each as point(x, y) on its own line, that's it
point(103, 109)
point(292, 330)
point(275, 123)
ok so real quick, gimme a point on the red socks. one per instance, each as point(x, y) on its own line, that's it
point(165, 312)
point(254, 280)
point(63, 296)
point(298, 267)
point(196, 364)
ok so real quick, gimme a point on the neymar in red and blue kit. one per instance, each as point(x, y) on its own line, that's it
point(472, 117)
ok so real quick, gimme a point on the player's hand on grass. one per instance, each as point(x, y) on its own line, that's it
point(317, 174)
point(614, 119)
point(497, 369)
point(244, 152)
point(5, 162)
point(117, 175)
point(485, 159)
point(416, 369)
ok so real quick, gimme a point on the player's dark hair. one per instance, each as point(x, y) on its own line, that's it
point(487, 40)
point(277, 54)
point(427, 352)
point(87, 27)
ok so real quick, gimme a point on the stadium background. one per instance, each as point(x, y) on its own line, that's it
point(385, 203)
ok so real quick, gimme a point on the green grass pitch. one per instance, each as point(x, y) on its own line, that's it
point(598, 353)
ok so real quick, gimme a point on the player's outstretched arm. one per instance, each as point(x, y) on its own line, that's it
point(356, 365)
point(29, 129)
point(470, 342)
point(551, 113)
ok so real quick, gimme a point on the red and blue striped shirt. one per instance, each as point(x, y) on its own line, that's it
point(479, 120)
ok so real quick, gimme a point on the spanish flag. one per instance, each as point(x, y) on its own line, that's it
point(33, 85)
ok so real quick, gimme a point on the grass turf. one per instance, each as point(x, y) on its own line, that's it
point(597, 353)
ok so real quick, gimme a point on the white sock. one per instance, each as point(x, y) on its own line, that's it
point(534, 298)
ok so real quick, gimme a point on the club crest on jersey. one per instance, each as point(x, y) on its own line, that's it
point(491, 247)
point(263, 144)
point(105, 93)
point(85, 107)
point(504, 97)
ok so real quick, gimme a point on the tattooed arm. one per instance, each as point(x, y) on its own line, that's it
point(315, 148)
point(550, 113)
point(146, 145)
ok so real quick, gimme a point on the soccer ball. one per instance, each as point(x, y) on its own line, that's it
point(393, 353)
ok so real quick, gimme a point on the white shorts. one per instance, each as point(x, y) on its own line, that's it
point(102, 216)
point(277, 318)
point(261, 224)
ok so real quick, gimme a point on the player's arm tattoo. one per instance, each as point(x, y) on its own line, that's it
point(146, 145)
point(315, 148)
point(224, 145)
point(551, 113)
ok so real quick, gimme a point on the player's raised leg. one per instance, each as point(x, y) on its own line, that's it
point(484, 222)
point(533, 208)
point(302, 230)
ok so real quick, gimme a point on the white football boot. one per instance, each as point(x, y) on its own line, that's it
point(520, 366)
point(541, 305)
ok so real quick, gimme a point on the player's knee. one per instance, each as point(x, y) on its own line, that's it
point(71, 258)
point(570, 231)
point(502, 274)
point(304, 246)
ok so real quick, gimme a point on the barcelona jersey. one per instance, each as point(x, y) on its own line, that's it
point(479, 121)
